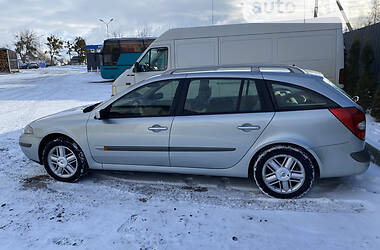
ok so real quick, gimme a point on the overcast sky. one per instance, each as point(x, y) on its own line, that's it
point(70, 18)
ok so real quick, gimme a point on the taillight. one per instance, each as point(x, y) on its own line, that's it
point(341, 75)
point(353, 119)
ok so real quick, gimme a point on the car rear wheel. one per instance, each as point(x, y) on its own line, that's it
point(284, 172)
point(64, 160)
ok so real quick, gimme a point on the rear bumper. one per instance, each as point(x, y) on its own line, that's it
point(361, 156)
point(342, 160)
point(29, 146)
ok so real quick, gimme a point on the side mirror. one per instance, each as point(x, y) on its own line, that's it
point(102, 114)
point(136, 67)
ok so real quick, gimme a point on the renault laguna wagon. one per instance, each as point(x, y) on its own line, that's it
point(281, 128)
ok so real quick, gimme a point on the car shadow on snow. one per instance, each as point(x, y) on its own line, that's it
point(225, 191)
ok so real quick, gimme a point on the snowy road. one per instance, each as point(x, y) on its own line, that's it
point(113, 210)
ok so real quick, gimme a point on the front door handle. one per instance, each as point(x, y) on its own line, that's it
point(157, 128)
point(246, 127)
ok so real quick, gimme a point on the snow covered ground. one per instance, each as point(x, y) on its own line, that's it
point(113, 210)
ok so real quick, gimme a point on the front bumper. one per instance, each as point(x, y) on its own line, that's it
point(29, 145)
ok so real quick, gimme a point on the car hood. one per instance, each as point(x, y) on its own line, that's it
point(65, 113)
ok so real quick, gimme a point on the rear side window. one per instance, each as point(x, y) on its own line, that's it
point(292, 97)
point(217, 96)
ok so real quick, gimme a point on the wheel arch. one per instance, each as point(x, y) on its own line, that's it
point(309, 152)
point(51, 137)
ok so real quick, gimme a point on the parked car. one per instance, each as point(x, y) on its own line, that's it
point(31, 65)
point(74, 60)
point(317, 46)
point(282, 129)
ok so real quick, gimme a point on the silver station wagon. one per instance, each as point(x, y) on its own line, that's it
point(280, 126)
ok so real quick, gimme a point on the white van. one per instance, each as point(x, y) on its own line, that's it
point(316, 46)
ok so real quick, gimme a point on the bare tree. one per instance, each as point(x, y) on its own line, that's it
point(42, 56)
point(144, 31)
point(374, 15)
point(27, 44)
point(117, 34)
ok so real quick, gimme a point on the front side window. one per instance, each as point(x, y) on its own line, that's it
point(154, 60)
point(216, 96)
point(153, 99)
point(292, 97)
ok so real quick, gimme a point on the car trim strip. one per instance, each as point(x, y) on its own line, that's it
point(26, 145)
point(165, 149)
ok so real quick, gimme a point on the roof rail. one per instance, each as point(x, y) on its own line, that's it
point(239, 67)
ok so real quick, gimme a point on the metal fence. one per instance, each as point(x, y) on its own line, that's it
point(369, 34)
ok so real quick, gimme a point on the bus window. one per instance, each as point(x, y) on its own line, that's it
point(119, 54)
point(111, 52)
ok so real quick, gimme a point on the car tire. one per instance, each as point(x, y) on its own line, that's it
point(64, 160)
point(284, 172)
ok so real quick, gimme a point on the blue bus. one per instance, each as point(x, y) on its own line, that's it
point(119, 54)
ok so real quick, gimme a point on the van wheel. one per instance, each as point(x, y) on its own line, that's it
point(284, 172)
point(64, 160)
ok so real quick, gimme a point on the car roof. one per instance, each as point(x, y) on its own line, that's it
point(295, 78)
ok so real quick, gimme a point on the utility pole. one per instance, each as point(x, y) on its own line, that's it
point(212, 12)
point(316, 9)
point(107, 23)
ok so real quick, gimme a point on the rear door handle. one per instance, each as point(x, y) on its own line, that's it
point(157, 128)
point(246, 127)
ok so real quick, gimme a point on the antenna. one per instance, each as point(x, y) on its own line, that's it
point(344, 15)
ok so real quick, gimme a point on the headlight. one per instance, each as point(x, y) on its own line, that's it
point(28, 130)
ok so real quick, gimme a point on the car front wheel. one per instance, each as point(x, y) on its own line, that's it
point(284, 172)
point(64, 160)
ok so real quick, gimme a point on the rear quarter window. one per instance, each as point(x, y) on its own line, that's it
point(289, 97)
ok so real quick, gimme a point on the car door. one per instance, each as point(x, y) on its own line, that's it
point(154, 62)
point(137, 129)
point(220, 119)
